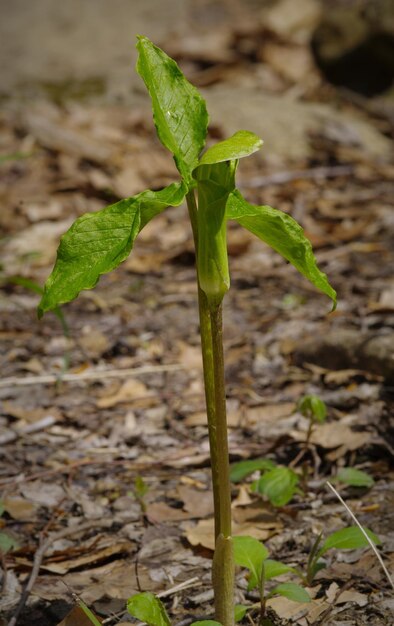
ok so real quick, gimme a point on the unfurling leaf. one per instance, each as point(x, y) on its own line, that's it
point(147, 608)
point(215, 182)
point(250, 553)
point(98, 242)
point(291, 591)
point(179, 111)
point(241, 144)
point(283, 234)
point(349, 538)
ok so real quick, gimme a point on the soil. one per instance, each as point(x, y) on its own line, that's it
point(104, 477)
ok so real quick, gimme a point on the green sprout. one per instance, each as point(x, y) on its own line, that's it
point(98, 242)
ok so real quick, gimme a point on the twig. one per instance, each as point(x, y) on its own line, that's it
point(18, 381)
point(40, 553)
point(314, 173)
point(373, 547)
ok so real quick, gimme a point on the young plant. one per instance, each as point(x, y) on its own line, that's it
point(315, 410)
point(277, 483)
point(349, 538)
point(253, 555)
point(98, 242)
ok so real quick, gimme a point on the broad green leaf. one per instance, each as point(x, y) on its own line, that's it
point(272, 569)
point(240, 611)
point(283, 234)
point(206, 622)
point(179, 111)
point(98, 242)
point(349, 538)
point(278, 484)
point(313, 407)
point(241, 144)
point(147, 608)
point(242, 469)
point(7, 543)
point(291, 591)
point(354, 477)
point(250, 553)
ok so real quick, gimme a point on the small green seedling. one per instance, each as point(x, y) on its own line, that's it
point(349, 538)
point(253, 555)
point(277, 483)
point(146, 607)
point(98, 242)
point(315, 410)
point(139, 492)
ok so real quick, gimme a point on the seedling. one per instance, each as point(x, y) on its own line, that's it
point(139, 491)
point(315, 410)
point(277, 483)
point(98, 242)
point(253, 555)
point(349, 538)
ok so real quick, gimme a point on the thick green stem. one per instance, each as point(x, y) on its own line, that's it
point(213, 364)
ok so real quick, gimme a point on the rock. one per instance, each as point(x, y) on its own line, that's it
point(348, 348)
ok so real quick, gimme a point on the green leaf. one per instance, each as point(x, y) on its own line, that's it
point(278, 484)
point(179, 111)
point(89, 614)
point(313, 407)
point(291, 591)
point(7, 543)
point(242, 469)
point(241, 144)
point(250, 553)
point(240, 611)
point(273, 569)
point(206, 622)
point(354, 477)
point(349, 538)
point(147, 608)
point(283, 234)
point(98, 242)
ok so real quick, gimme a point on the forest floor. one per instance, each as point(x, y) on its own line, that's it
point(104, 477)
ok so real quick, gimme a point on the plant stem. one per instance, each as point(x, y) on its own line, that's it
point(213, 365)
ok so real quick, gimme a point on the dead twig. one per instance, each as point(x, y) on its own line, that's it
point(18, 381)
point(40, 553)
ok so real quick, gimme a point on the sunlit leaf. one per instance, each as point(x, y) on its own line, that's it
point(278, 485)
point(283, 234)
point(241, 144)
point(242, 469)
point(240, 611)
point(179, 111)
point(349, 538)
point(354, 477)
point(250, 553)
point(273, 569)
point(291, 591)
point(147, 608)
point(98, 242)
